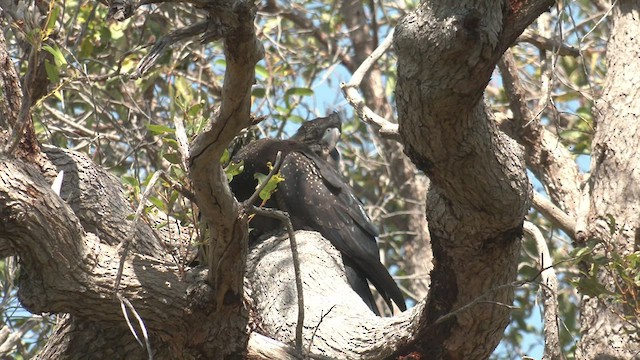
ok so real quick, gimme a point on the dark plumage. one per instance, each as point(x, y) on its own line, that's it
point(317, 198)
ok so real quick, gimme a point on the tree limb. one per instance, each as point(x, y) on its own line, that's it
point(386, 129)
point(549, 285)
point(547, 157)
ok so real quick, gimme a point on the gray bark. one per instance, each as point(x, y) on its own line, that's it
point(479, 191)
point(615, 192)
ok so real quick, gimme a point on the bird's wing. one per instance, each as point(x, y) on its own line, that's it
point(318, 199)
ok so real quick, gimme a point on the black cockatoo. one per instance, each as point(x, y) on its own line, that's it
point(318, 199)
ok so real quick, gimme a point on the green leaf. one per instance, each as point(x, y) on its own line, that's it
point(183, 89)
point(271, 186)
point(226, 156)
point(172, 143)
point(612, 223)
point(129, 180)
point(298, 91)
point(160, 129)
point(195, 110)
point(233, 169)
point(172, 158)
point(58, 57)
point(51, 23)
point(53, 72)
point(258, 92)
point(159, 204)
point(262, 72)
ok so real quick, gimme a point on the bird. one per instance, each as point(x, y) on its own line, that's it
point(317, 198)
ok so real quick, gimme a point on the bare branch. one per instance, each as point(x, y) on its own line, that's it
point(555, 214)
point(165, 43)
point(544, 43)
point(126, 304)
point(552, 348)
point(284, 218)
point(546, 156)
point(387, 129)
point(126, 243)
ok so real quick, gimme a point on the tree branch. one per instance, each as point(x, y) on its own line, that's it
point(47, 234)
point(218, 206)
point(544, 43)
point(479, 192)
point(547, 158)
point(386, 129)
point(555, 214)
point(552, 348)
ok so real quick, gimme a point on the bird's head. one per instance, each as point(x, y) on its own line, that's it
point(321, 134)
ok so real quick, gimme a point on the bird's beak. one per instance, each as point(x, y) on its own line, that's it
point(331, 137)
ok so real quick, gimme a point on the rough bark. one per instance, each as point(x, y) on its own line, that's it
point(337, 322)
point(479, 190)
point(615, 195)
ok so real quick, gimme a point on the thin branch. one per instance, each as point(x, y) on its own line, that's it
point(276, 167)
point(284, 218)
point(24, 116)
point(544, 43)
point(126, 243)
point(555, 214)
point(165, 43)
point(183, 141)
point(315, 329)
point(184, 191)
point(546, 156)
point(552, 348)
point(11, 339)
point(126, 304)
point(387, 129)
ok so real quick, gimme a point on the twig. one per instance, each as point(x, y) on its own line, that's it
point(126, 244)
point(276, 167)
point(547, 73)
point(180, 188)
point(315, 329)
point(124, 304)
point(544, 43)
point(24, 116)
point(166, 42)
point(284, 218)
point(387, 129)
point(554, 213)
point(552, 349)
point(183, 142)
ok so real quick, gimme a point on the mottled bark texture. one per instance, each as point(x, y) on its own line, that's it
point(615, 189)
point(479, 190)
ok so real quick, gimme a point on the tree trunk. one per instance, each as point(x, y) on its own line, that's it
point(615, 193)
point(69, 243)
